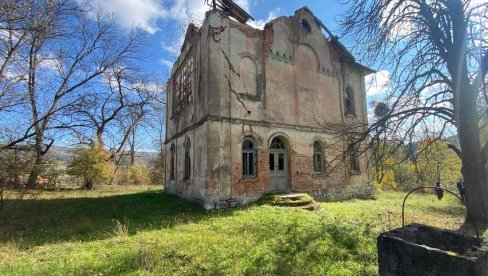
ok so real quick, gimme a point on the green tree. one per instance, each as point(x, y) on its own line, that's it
point(92, 165)
point(435, 162)
point(385, 177)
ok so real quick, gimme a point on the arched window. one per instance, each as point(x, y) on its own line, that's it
point(248, 76)
point(276, 143)
point(317, 157)
point(248, 157)
point(187, 159)
point(305, 26)
point(172, 162)
point(349, 101)
point(354, 157)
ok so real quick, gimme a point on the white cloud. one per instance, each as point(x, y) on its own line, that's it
point(166, 63)
point(377, 83)
point(259, 24)
point(142, 14)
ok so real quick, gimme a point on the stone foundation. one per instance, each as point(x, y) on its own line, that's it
point(423, 250)
point(339, 193)
point(330, 194)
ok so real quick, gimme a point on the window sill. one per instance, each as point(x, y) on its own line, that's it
point(318, 174)
point(350, 115)
point(248, 177)
point(249, 97)
point(355, 172)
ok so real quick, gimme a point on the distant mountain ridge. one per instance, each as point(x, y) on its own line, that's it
point(64, 155)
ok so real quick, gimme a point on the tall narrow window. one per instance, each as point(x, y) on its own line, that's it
point(305, 26)
point(182, 80)
point(317, 157)
point(248, 158)
point(172, 163)
point(354, 157)
point(248, 78)
point(349, 101)
point(187, 159)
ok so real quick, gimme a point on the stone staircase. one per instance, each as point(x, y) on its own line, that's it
point(297, 200)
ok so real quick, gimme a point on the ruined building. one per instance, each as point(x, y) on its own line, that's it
point(243, 106)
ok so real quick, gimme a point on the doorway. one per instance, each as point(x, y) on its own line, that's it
point(278, 165)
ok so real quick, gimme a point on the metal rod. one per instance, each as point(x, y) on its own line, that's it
point(444, 189)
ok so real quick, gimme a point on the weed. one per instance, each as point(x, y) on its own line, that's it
point(121, 230)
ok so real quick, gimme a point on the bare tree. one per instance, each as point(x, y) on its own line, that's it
point(437, 51)
point(14, 31)
point(108, 102)
point(67, 47)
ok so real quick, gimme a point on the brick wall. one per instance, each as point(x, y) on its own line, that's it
point(251, 186)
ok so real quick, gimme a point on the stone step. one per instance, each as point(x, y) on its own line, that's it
point(311, 207)
point(292, 200)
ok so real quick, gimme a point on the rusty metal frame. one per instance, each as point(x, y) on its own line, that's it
point(444, 189)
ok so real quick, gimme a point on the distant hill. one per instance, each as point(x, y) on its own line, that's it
point(64, 155)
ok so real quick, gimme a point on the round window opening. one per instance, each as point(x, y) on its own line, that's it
point(305, 26)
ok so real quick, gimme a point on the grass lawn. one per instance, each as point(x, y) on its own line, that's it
point(141, 230)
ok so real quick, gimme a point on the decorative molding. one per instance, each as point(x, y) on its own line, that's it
point(281, 57)
point(329, 72)
point(216, 118)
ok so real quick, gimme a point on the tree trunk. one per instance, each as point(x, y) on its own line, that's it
point(88, 184)
point(133, 147)
point(37, 169)
point(100, 143)
point(474, 173)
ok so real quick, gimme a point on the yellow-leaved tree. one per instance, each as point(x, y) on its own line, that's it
point(385, 176)
point(92, 165)
point(436, 162)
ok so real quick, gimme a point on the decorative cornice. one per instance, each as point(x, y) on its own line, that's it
point(329, 72)
point(216, 118)
point(281, 57)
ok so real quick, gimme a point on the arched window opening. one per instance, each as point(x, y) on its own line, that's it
point(317, 157)
point(305, 26)
point(276, 143)
point(248, 76)
point(349, 101)
point(248, 157)
point(354, 157)
point(187, 159)
point(172, 162)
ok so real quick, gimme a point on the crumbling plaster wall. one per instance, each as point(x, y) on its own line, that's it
point(300, 81)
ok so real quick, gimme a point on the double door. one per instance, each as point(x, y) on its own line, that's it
point(278, 171)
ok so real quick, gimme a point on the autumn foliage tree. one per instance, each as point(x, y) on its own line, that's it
point(437, 51)
point(92, 165)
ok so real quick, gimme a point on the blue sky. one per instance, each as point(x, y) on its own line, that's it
point(164, 21)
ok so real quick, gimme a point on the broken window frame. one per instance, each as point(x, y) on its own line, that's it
point(318, 164)
point(172, 162)
point(354, 158)
point(349, 108)
point(249, 157)
point(182, 82)
point(187, 160)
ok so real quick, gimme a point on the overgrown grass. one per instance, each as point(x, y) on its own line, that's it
point(149, 232)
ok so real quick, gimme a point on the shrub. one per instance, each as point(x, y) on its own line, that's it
point(138, 175)
point(92, 165)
